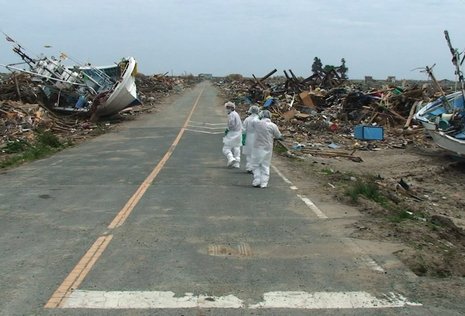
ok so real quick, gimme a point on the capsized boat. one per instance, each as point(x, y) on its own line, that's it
point(444, 120)
point(452, 143)
point(96, 91)
point(442, 112)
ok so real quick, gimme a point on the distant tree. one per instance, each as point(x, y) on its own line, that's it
point(317, 66)
point(343, 69)
point(328, 68)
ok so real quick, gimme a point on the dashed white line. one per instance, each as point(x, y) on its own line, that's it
point(366, 259)
point(305, 199)
point(312, 206)
point(281, 175)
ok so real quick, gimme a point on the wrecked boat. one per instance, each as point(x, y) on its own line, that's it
point(85, 89)
point(438, 113)
point(444, 119)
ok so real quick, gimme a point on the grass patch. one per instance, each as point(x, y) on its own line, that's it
point(16, 146)
point(400, 216)
point(367, 189)
point(22, 151)
point(48, 139)
point(327, 171)
point(370, 190)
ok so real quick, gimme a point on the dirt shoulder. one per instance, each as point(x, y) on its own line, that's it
point(412, 195)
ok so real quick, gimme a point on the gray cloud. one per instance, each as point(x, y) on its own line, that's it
point(376, 37)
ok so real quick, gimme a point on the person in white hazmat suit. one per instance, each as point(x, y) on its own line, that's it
point(265, 133)
point(232, 141)
point(249, 130)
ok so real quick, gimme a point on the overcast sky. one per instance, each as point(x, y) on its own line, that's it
point(376, 37)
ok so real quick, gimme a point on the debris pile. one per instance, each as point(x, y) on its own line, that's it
point(321, 112)
point(20, 122)
point(22, 117)
point(18, 87)
point(153, 88)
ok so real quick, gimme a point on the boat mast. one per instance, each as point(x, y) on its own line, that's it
point(429, 71)
point(456, 62)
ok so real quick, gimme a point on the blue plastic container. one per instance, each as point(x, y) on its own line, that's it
point(367, 132)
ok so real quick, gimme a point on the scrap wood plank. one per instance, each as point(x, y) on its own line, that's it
point(373, 117)
point(396, 114)
point(412, 113)
point(259, 82)
point(285, 74)
point(399, 189)
point(326, 152)
point(294, 76)
point(332, 154)
point(268, 75)
point(17, 86)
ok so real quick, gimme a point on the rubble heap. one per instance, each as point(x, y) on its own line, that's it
point(153, 88)
point(18, 87)
point(22, 116)
point(317, 114)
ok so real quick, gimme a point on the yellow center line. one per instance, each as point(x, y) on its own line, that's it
point(127, 209)
point(80, 271)
point(77, 275)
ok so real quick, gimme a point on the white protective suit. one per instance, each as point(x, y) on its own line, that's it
point(232, 141)
point(249, 129)
point(265, 132)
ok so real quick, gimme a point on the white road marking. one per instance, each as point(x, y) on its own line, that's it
point(147, 299)
point(312, 206)
point(200, 127)
point(211, 124)
point(366, 259)
point(281, 175)
point(279, 299)
point(206, 127)
point(305, 199)
point(331, 300)
point(204, 132)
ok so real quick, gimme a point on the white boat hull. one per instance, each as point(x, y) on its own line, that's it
point(431, 115)
point(449, 143)
point(124, 93)
point(427, 115)
point(98, 91)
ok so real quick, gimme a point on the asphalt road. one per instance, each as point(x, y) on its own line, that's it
point(147, 220)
